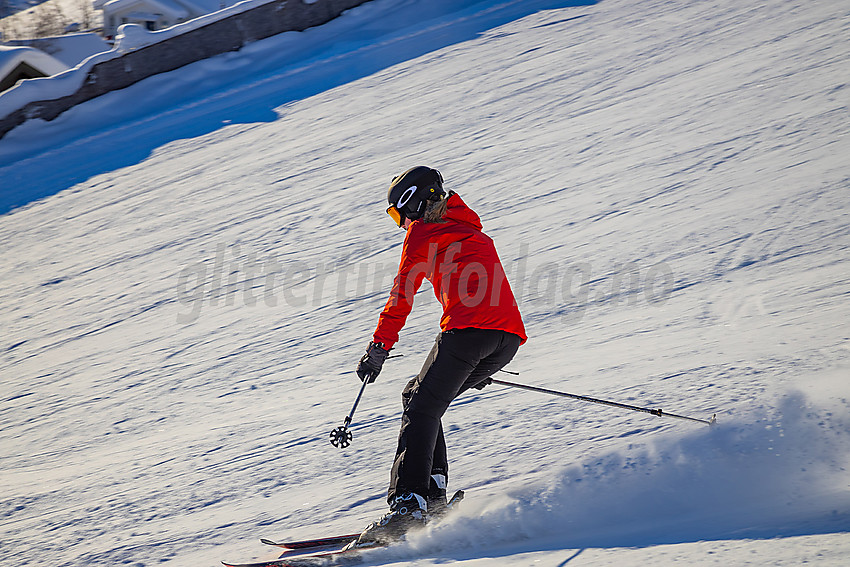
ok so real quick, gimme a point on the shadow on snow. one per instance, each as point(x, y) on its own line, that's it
point(155, 112)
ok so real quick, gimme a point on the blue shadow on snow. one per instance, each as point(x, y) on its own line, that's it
point(321, 59)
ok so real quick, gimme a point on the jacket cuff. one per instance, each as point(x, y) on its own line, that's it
point(387, 344)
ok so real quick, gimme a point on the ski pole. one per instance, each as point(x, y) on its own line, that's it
point(341, 436)
point(656, 412)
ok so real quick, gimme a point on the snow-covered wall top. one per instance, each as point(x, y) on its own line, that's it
point(138, 54)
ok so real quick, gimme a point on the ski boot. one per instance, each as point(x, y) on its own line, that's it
point(437, 496)
point(438, 505)
point(407, 511)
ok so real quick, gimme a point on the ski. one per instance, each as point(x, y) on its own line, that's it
point(320, 559)
point(341, 554)
point(312, 543)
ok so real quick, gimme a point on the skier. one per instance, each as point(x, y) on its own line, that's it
point(481, 330)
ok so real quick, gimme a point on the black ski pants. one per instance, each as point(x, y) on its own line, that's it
point(460, 359)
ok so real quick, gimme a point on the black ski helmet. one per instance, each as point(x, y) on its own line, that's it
point(410, 192)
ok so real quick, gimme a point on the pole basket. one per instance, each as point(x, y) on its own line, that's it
point(341, 437)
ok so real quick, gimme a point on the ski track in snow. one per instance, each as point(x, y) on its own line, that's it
point(197, 262)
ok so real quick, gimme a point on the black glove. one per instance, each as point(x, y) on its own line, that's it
point(481, 385)
point(371, 362)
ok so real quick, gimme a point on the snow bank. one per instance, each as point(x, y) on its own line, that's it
point(783, 473)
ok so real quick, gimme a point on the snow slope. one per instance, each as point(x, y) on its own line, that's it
point(197, 262)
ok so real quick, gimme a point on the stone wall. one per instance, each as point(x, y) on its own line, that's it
point(227, 34)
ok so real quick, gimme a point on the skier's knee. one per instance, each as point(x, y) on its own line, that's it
point(426, 404)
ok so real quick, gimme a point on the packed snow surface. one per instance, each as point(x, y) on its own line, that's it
point(192, 266)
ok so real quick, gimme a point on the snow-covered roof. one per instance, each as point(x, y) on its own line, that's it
point(180, 5)
point(144, 16)
point(11, 57)
point(70, 49)
point(168, 8)
point(207, 6)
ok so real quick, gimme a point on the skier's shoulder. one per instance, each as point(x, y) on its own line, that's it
point(459, 223)
point(458, 211)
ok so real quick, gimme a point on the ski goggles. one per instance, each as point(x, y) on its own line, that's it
point(396, 215)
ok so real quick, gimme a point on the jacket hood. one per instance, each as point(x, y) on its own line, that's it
point(458, 211)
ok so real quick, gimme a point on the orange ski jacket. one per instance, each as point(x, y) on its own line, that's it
point(464, 269)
